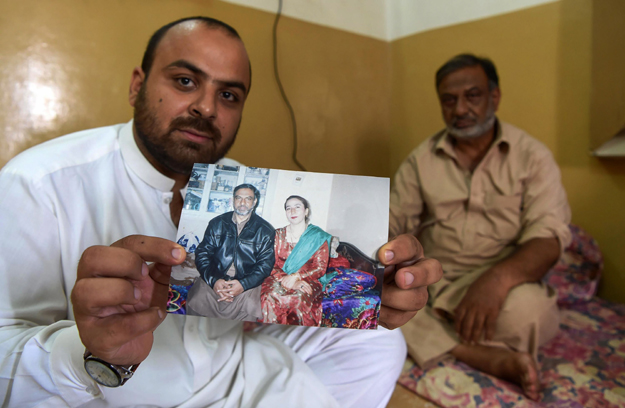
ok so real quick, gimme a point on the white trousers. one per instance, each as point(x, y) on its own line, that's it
point(201, 362)
point(359, 368)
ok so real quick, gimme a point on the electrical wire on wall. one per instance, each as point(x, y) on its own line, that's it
point(277, 75)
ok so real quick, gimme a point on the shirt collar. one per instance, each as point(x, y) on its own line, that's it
point(501, 139)
point(138, 164)
point(445, 142)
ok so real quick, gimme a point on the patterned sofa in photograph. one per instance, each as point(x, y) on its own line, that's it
point(583, 366)
point(351, 297)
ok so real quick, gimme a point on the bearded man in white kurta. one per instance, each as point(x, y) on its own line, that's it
point(64, 288)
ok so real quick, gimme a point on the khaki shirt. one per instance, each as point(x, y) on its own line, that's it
point(467, 220)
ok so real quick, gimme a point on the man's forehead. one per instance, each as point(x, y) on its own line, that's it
point(206, 47)
point(244, 192)
point(187, 26)
point(464, 78)
point(182, 36)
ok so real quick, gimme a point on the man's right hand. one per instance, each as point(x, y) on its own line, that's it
point(119, 301)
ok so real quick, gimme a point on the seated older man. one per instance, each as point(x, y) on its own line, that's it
point(485, 199)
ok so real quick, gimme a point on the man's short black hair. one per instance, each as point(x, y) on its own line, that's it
point(148, 55)
point(251, 187)
point(469, 60)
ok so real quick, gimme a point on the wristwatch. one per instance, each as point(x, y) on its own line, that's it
point(107, 374)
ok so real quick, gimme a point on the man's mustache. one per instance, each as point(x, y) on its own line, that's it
point(456, 119)
point(203, 126)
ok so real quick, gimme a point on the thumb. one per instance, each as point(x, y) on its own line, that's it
point(160, 273)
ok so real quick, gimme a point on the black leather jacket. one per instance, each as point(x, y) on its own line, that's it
point(252, 251)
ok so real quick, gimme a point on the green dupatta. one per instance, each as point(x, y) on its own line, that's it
point(310, 241)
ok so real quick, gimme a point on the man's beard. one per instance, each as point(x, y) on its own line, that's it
point(240, 213)
point(476, 130)
point(177, 156)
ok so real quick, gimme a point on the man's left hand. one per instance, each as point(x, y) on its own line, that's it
point(406, 278)
point(478, 310)
point(235, 288)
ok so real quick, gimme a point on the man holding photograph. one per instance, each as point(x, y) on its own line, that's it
point(233, 259)
point(64, 288)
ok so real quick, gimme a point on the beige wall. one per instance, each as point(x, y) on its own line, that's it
point(608, 70)
point(562, 71)
point(65, 66)
point(596, 186)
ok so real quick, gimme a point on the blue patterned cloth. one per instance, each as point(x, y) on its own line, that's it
point(349, 300)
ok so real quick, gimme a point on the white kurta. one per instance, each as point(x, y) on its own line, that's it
point(93, 188)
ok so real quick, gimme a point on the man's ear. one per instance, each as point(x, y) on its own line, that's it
point(136, 82)
point(496, 97)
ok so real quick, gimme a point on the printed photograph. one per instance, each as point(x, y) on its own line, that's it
point(280, 246)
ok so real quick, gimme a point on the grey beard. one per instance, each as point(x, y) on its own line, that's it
point(474, 131)
point(243, 214)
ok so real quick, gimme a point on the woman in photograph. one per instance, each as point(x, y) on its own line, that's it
point(292, 294)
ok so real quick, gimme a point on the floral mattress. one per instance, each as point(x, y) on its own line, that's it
point(583, 366)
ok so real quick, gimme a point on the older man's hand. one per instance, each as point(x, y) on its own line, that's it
point(476, 315)
point(406, 278)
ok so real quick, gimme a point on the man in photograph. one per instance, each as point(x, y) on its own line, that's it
point(87, 245)
point(233, 259)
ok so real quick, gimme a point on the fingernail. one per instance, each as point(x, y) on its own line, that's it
point(160, 313)
point(389, 255)
point(408, 278)
point(176, 253)
point(137, 293)
point(144, 269)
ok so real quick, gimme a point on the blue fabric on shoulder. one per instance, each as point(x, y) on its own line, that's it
point(310, 241)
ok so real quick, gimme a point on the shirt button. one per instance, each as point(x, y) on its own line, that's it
point(167, 197)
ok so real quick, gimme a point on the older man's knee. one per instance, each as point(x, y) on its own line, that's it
point(530, 305)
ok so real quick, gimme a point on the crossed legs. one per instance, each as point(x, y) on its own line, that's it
point(529, 318)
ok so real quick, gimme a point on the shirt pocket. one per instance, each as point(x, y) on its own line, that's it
point(217, 239)
point(443, 226)
point(502, 216)
point(248, 245)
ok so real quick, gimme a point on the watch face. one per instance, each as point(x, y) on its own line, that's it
point(102, 373)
